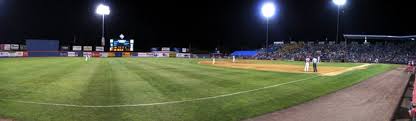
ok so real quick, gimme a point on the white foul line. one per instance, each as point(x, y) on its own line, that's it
point(161, 103)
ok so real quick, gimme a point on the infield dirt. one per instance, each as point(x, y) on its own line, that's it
point(5, 119)
point(322, 70)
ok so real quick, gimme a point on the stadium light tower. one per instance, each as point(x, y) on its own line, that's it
point(268, 10)
point(103, 10)
point(339, 3)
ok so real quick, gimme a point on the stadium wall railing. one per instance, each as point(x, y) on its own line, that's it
point(158, 54)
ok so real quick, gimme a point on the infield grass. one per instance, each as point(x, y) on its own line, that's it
point(122, 81)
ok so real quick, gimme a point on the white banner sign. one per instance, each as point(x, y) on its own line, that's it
point(72, 54)
point(14, 47)
point(19, 54)
point(185, 50)
point(4, 54)
point(279, 43)
point(87, 48)
point(183, 55)
point(77, 48)
point(161, 54)
point(87, 53)
point(165, 48)
point(145, 55)
point(12, 54)
point(104, 54)
point(6, 46)
point(99, 48)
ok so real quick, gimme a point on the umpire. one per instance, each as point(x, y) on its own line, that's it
point(315, 62)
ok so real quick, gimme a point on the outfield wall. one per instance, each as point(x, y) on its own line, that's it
point(12, 54)
point(42, 48)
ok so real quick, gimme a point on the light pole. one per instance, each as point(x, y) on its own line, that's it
point(268, 10)
point(339, 3)
point(103, 10)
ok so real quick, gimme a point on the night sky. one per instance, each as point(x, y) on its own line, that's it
point(206, 24)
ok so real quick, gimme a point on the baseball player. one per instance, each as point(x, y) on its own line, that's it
point(86, 57)
point(307, 61)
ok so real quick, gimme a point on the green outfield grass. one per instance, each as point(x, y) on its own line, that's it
point(126, 81)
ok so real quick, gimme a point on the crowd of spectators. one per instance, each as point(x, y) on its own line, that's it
point(353, 52)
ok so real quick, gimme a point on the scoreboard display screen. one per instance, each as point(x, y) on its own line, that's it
point(121, 45)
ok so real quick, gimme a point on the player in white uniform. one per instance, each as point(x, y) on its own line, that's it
point(307, 61)
point(87, 57)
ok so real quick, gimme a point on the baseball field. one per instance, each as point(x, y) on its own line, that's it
point(164, 89)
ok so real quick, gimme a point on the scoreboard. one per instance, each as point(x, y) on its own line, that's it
point(121, 45)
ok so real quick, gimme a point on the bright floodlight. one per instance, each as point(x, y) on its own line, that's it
point(268, 10)
point(339, 2)
point(103, 10)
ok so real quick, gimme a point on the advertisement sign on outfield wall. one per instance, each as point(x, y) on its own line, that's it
point(144, 55)
point(141, 54)
point(165, 48)
point(1, 47)
point(104, 55)
point(14, 47)
point(111, 54)
point(72, 54)
point(183, 55)
point(96, 54)
point(126, 54)
point(185, 50)
point(172, 54)
point(87, 53)
point(65, 48)
point(63, 54)
point(134, 54)
point(26, 54)
point(12, 54)
point(99, 48)
point(76, 48)
point(87, 48)
point(19, 54)
point(161, 54)
point(4, 54)
point(6, 47)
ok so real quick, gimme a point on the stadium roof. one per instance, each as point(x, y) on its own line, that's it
point(379, 37)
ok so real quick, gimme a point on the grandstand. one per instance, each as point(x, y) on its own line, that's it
point(356, 48)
